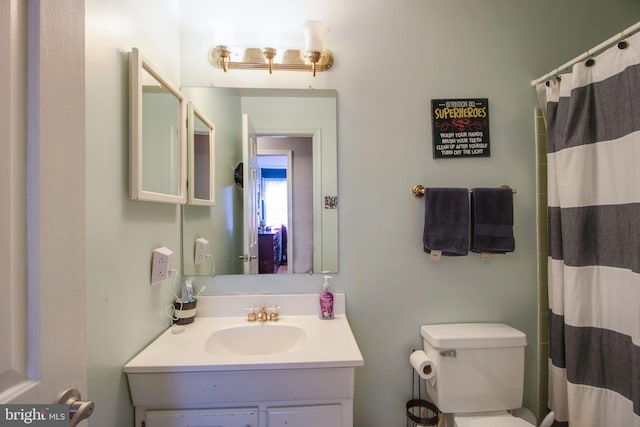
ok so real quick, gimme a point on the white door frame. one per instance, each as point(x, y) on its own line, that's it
point(52, 250)
point(249, 196)
point(290, 231)
point(316, 144)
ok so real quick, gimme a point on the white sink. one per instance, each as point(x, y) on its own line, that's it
point(221, 339)
point(222, 361)
point(255, 339)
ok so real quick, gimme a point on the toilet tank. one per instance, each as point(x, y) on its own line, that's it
point(479, 367)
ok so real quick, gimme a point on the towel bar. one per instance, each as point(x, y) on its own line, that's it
point(418, 190)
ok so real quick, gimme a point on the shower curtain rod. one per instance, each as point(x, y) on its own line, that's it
point(602, 46)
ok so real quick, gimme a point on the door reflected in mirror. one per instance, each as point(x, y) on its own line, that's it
point(297, 171)
point(285, 195)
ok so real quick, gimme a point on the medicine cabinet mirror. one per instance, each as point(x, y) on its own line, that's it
point(200, 149)
point(158, 164)
point(296, 133)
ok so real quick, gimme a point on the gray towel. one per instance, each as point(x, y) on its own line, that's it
point(492, 220)
point(446, 221)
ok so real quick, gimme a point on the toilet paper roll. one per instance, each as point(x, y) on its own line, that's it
point(422, 364)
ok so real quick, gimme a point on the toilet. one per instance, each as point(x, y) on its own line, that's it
point(479, 372)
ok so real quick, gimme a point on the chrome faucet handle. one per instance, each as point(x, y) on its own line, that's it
point(274, 313)
point(252, 316)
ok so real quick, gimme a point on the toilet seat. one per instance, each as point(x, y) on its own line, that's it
point(489, 420)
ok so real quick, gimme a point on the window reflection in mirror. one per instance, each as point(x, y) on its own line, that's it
point(306, 118)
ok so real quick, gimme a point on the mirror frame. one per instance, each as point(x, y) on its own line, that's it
point(137, 66)
point(193, 112)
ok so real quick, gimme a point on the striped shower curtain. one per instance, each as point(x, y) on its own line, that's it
point(593, 153)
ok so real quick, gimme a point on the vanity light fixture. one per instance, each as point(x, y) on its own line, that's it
point(315, 57)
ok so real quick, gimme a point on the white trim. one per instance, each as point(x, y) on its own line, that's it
point(137, 64)
point(13, 157)
point(316, 141)
point(318, 203)
point(34, 123)
point(192, 113)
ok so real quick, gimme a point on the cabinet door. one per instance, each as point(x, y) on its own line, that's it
point(305, 416)
point(241, 417)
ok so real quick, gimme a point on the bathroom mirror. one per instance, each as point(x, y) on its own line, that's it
point(201, 158)
point(297, 158)
point(157, 146)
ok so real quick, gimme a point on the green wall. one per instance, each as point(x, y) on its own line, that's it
point(391, 60)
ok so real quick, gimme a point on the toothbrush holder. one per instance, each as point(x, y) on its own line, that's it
point(184, 312)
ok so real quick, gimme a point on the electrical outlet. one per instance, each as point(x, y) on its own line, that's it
point(202, 250)
point(161, 264)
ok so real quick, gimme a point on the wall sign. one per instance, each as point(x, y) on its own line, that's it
point(460, 128)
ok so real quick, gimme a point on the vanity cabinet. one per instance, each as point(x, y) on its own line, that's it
point(264, 398)
point(307, 416)
point(193, 378)
point(291, 416)
point(241, 417)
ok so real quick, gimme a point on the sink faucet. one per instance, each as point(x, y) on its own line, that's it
point(262, 314)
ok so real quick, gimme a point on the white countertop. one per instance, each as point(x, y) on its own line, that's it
point(327, 343)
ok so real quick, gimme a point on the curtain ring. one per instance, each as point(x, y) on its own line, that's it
point(623, 44)
point(590, 61)
point(557, 78)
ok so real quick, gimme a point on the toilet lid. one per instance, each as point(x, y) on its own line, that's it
point(505, 420)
